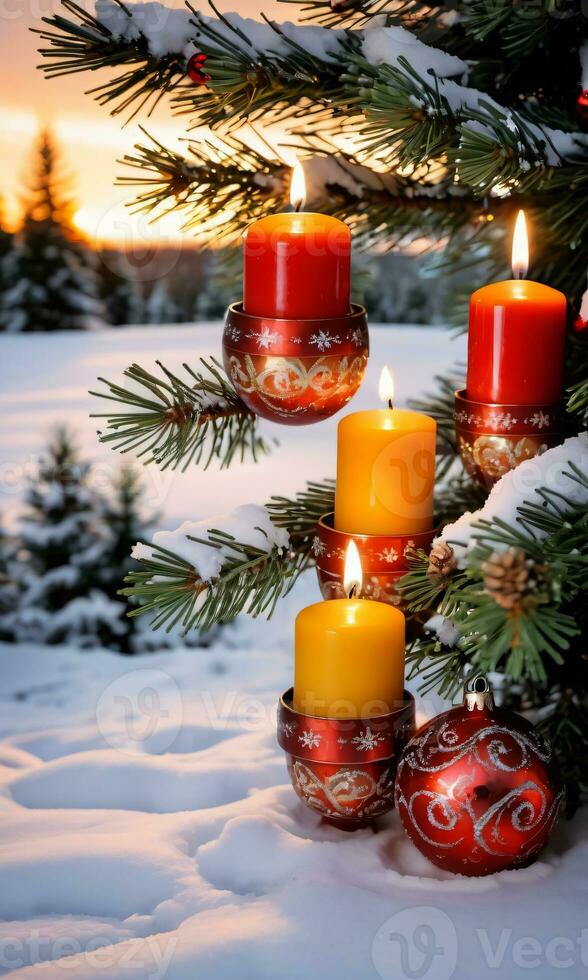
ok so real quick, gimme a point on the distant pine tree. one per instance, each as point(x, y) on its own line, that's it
point(221, 285)
point(52, 280)
point(125, 524)
point(120, 295)
point(63, 537)
point(9, 590)
point(160, 306)
point(6, 247)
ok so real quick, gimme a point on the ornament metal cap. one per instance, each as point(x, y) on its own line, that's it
point(478, 694)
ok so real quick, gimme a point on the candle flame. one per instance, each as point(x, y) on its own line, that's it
point(353, 574)
point(386, 386)
point(297, 187)
point(520, 248)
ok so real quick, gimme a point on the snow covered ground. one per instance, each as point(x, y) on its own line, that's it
point(147, 826)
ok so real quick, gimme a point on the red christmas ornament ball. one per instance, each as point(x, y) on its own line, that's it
point(194, 69)
point(582, 105)
point(477, 789)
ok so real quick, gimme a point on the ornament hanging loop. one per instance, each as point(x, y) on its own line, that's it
point(477, 693)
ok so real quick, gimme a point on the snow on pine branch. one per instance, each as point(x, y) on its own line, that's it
point(174, 31)
point(523, 485)
point(170, 31)
point(248, 525)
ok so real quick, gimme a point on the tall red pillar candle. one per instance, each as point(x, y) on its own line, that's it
point(297, 265)
point(516, 340)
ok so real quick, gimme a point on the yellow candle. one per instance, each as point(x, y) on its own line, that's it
point(349, 659)
point(385, 470)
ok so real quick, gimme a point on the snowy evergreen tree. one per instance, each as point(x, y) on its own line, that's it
point(222, 277)
point(9, 590)
point(6, 247)
point(63, 538)
point(120, 295)
point(52, 280)
point(123, 515)
point(160, 306)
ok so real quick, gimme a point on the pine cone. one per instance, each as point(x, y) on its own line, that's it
point(441, 562)
point(507, 577)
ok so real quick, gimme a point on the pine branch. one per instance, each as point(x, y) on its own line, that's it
point(220, 186)
point(357, 13)
point(82, 43)
point(529, 636)
point(520, 33)
point(409, 116)
point(174, 422)
point(250, 580)
point(577, 403)
point(223, 185)
point(249, 82)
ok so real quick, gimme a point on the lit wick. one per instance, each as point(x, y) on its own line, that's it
point(520, 248)
point(297, 187)
point(386, 387)
point(353, 573)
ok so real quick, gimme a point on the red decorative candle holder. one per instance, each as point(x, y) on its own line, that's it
point(295, 371)
point(344, 769)
point(384, 559)
point(492, 439)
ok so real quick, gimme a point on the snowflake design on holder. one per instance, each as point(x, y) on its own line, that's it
point(324, 340)
point(318, 546)
point(539, 420)
point(288, 728)
point(467, 418)
point(389, 555)
point(310, 739)
point(502, 420)
point(356, 337)
point(265, 338)
point(233, 333)
point(367, 740)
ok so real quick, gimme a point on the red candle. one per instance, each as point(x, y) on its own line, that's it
point(297, 265)
point(516, 337)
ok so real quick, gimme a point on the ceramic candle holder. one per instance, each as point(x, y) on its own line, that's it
point(492, 439)
point(295, 371)
point(384, 559)
point(344, 769)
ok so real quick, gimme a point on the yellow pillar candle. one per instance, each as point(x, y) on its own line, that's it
point(385, 470)
point(349, 657)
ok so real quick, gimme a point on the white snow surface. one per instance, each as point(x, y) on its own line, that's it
point(147, 825)
point(170, 30)
point(173, 30)
point(248, 524)
point(551, 470)
point(385, 45)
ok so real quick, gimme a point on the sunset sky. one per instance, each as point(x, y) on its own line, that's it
point(90, 139)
